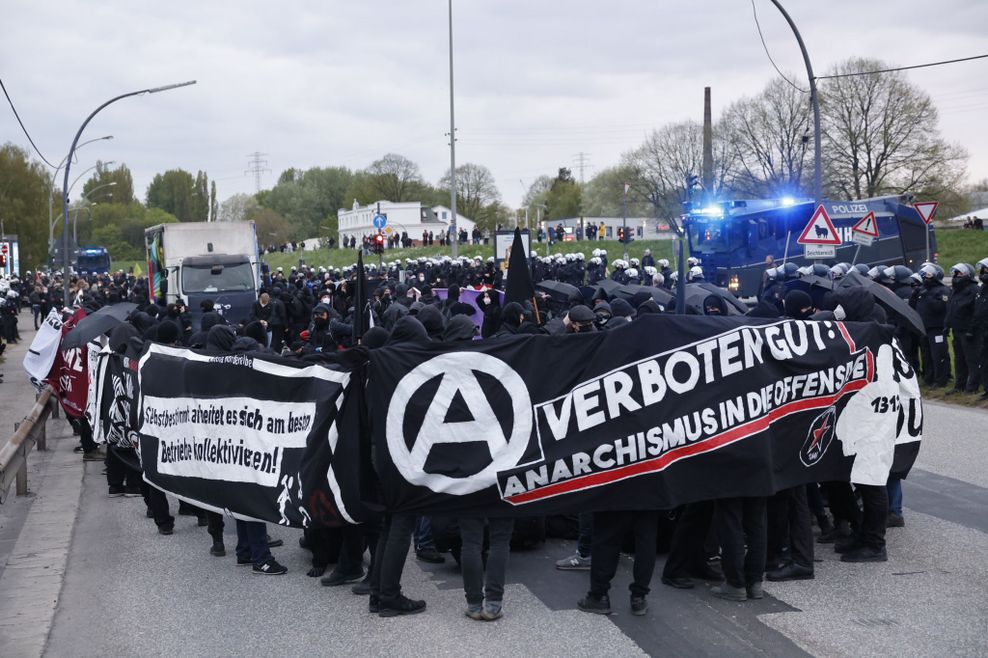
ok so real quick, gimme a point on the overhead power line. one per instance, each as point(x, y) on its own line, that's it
point(754, 12)
point(26, 133)
point(902, 68)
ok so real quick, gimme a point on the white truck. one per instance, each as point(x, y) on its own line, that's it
point(196, 261)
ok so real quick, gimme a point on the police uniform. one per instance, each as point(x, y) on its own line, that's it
point(960, 320)
point(931, 304)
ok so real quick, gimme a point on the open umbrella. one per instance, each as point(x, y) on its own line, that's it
point(664, 298)
point(888, 299)
point(609, 286)
point(102, 321)
point(697, 293)
point(559, 291)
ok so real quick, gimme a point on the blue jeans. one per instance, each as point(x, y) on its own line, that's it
point(894, 488)
point(423, 535)
point(252, 541)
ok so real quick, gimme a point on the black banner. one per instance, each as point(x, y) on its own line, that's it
point(252, 435)
point(116, 400)
point(665, 411)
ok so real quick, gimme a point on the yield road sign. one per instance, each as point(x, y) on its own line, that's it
point(927, 209)
point(819, 231)
point(380, 221)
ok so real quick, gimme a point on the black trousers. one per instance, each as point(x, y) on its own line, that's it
point(119, 467)
point(215, 525)
point(789, 528)
point(815, 500)
point(395, 539)
point(741, 520)
point(936, 360)
point(967, 363)
point(158, 504)
point(843, 505)
point(983, 359)
point(82, 426)
point(875, 504)
point(609, 529)
point(686, 553)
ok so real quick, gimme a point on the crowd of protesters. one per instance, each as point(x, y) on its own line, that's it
point(737, 542)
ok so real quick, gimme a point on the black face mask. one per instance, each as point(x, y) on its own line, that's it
point(320, 322)
point(959, 282)
point(984, 277)
point(931, 282)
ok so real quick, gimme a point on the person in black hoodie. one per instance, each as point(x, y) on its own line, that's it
point(512, 315)
point(789, 525)
point(386, 598)
point(960, 320)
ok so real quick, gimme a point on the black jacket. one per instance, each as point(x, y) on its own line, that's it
point(931, 304)
point(960, 307)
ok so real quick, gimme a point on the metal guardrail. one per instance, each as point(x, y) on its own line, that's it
point(28, 433)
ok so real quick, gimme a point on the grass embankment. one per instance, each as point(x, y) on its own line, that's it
point(960, 246)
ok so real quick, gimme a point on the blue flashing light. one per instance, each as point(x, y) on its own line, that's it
point(712, 211)
point(787, 201)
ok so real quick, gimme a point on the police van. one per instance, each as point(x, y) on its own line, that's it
point(733, 238)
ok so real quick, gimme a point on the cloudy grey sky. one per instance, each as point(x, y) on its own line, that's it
point(343, 82)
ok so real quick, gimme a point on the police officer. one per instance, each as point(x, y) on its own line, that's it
point(960, 320)
point(931, 304)
point(980, 320)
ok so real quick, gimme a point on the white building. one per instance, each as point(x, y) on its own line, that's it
point(409, 217)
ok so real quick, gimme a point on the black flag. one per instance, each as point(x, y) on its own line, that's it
point(519, 288)
point(360, 300)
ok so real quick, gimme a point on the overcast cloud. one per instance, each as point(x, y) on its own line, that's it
point(323, 83)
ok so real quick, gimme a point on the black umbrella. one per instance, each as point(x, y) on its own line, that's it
point(609, 286)
point(664, 298)
point(888, 299)
point(697, 293)
point(102, 321)
point(559, 291)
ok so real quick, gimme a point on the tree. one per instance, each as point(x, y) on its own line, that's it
point(306, 199)
point(475, 191)
point(24, 204)
point(603, 195)
point(120, 228)
point(237, 207)
point(200, 198)
point(564, 198)
point(272, 228)
point(670, 154)
point(121, 192)
point(173, 192)
point(769, 135)
point(537, 192)
point(881, 135)
point(394, 178)
point(214, 208)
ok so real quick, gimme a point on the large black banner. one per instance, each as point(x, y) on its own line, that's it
point(116, 400)
point(664, 411)
point(252, 435)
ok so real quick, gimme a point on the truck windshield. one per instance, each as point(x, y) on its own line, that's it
point(97, 263)
point(231, 277)
point(711, 236)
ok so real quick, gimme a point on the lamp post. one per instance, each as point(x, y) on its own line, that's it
point(815, 102)
point(51, 190)
point(92, 203)
point(68, 164)
point(452, 142)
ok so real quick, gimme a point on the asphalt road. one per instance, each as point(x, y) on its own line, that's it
point(129, 591)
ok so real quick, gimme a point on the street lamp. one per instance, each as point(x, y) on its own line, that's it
point(88, 209)
point(51, 189)
point(815, 102)
point(452, 141)
point(68, 163)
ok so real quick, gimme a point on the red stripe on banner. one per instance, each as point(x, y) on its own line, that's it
point(663, 461)
point(847, 337)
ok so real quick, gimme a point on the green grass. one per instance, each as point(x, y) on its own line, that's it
point(345, 257)
point(960, 246)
